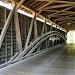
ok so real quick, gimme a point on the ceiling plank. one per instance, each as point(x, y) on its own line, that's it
point(56, 6)
point(66, 21)
point(67, 18)
point(41, 8)
point(60, 11)
point(71, 12)
point(48, 0)
point(61, 18)
point(45, 5)
point(67, 2)
point(59, 1)
point(33, 3)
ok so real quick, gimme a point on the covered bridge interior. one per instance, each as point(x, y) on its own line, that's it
point(33, 37)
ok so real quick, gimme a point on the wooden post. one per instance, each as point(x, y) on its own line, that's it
point(43, 29)
point(11, 40)
point(35, 28)
point(51, 28)
point(45, 26)
point(29, 33)
point(17, 29)
point(5, 38)
point(6, 26)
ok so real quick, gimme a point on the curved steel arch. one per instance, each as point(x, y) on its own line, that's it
point(24, 52)
point(28, 51)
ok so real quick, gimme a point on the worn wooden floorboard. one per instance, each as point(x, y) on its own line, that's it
point(60, 61)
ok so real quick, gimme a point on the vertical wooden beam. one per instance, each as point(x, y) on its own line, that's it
point(45, 26)
point(29, 33)
point(56, 28)
point(51, 28)
point(35, 28)
point(5, 38)
point(18, 35)
point(11, 40)
point(4, 30)
point(6, 48)
point(52, 40)
point(43, 29)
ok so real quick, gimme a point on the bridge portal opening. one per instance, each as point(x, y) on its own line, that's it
point(71, 37)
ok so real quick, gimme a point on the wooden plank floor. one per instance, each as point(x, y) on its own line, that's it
point(60, 61)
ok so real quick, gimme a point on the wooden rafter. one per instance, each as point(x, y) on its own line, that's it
point(60, 11)
point(45, 5)
point(56, 6)
point(19, 4)
point(71, 18)
point(59, 1)
point(67, 23)
point(68, 12)
point(48, 0)
point(63, 18)
point(67, 2)
point(33, 3)
point(41, 8)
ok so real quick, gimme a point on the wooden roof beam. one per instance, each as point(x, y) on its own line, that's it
point(68, 23)
point(61, 18)
point(68, 12)
point(20, 3)
point(60, 11)
point(33, 3)
point(48, 0)
point(59, 1)
point(65, 21)
point(41, 8)
point(56, 6)
point(44, 5)
point(67, 18)
point(67, 2)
